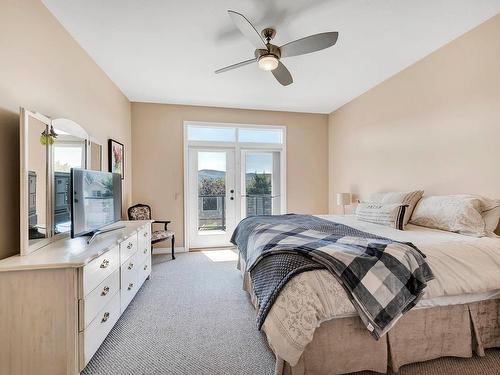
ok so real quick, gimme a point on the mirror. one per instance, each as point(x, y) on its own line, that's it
point(68, 151)
point(49, 149)
point(95, 157)
point(36, 223)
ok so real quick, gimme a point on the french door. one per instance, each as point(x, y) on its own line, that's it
point(212, 192)
point(232, 171)
point(224, 188)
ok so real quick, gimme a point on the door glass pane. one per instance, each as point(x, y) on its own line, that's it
point(258, 183)
point(260, 135)
point(211, 191)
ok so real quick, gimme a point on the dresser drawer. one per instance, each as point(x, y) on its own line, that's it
point(99, 269)
point(144, 240)
point(127, 248)
point(144, 270)
point(93, 336)
point(128, 281)
point(144, 244)
point(98, 298)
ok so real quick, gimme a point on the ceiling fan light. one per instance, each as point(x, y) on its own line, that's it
point(268, 62)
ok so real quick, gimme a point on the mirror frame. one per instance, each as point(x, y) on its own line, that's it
point(91, 141)
point(26, 248)
point(69, 127)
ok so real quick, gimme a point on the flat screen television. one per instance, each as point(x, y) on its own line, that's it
point(96, 200)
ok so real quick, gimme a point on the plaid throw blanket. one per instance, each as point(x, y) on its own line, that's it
point(383, 278)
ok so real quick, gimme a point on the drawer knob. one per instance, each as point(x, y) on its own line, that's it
point(105, 291)
point(130, 266)
point(130, 286)
point(145, 267)
point(129, 246)
point(105, 317)
point(104, 263)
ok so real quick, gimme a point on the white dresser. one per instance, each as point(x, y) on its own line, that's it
point(58, 304)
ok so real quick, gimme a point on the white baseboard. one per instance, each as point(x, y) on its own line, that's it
point(168, 250)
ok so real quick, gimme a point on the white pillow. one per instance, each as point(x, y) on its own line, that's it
point(391, 215)
point(453, 213)
point(491, 217)
point(489, 210)
point(410, 198)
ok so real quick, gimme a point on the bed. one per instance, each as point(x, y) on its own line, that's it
point(313, 327)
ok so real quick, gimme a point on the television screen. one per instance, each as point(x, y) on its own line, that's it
point(96, 200)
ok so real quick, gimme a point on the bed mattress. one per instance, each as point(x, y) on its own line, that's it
point(467, 269)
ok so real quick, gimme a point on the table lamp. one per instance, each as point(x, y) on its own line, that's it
point(343, 199)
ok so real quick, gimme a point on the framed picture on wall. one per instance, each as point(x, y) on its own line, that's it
point(116, 157)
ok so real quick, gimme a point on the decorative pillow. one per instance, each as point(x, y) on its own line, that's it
point(453, 213)
point(410, 198)
point(391, 215)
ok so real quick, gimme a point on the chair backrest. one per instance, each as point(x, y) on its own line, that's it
point(139, 212)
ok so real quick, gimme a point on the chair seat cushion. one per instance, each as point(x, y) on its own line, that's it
point(161, 235)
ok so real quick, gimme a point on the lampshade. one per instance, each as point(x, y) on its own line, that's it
point(268, 62)
point(343, 199)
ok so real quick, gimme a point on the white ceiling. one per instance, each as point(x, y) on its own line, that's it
point(165, 51)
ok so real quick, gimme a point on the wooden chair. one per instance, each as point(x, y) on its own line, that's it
point(143, 212)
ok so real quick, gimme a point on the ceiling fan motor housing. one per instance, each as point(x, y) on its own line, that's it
point(271, 50)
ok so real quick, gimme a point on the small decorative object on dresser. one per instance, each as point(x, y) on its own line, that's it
point(343, 199)
point(143, 212)
point(116, 157)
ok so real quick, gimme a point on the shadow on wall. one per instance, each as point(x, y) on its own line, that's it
point(9, 185)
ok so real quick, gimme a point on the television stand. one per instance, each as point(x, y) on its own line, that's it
point(102, 231)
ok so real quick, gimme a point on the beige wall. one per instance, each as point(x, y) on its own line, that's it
point(433, 126)
point(43, 69)
point(157, 130)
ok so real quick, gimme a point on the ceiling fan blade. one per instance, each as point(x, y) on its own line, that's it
point(309, 44)
point(234, 66)
point(282, 74)
point(247, 29)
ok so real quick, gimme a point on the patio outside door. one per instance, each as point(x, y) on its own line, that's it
point(232, 171)
point(212, 203)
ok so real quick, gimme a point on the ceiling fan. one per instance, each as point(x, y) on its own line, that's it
point(268, 55)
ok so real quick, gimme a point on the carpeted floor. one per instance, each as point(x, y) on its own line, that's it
point(192, 317)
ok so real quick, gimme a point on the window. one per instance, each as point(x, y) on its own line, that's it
point(252, 135)
point(203, 133)
point(234, 134)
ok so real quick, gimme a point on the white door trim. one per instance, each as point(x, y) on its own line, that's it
point(237, 155)
point(212, 238)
